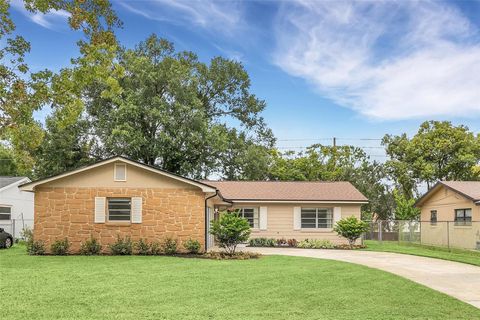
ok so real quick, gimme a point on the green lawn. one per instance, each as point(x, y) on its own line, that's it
point(274, 287)
point(465, 256)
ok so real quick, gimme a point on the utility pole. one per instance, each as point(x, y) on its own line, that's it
point(334, 142)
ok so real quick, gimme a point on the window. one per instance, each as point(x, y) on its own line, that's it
point(251, 214)
point(433, 217)
point(120, 172)
point(5, 213)
point(463, 217)
point(316, 218)
point(119, 209)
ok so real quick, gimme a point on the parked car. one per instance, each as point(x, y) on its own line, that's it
point(6, 239)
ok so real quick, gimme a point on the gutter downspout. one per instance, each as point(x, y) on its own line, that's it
point(206, 218)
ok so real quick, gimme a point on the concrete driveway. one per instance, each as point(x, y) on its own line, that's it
point(458, 280)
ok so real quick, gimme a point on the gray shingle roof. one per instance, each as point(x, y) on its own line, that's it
point(6, 181)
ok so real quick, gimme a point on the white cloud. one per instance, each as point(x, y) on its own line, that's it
point(386, 60)
point(46, 20)
point(218, 16)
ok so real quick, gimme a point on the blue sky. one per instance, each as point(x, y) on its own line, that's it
point(325, 69)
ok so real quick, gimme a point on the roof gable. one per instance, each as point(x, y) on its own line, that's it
point(96, 166)
point(7, 181)
point(288, 191)
point(467, 189)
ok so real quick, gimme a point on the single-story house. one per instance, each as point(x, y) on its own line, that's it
point(16, 206)
point(450, 214)
point(122, 197)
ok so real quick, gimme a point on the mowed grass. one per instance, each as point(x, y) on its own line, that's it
point(273, 287)
point(465, 256)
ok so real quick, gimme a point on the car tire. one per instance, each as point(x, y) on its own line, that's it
point(8, 243)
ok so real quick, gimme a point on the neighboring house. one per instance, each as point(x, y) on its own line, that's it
point(121, 197)
point(16, 206)
point(450, 214)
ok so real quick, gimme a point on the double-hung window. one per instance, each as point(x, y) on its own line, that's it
point(119, 209)
point(251, 214)
point(5, 213)
point(316, 218)
point(463, 217)
point(433, 217)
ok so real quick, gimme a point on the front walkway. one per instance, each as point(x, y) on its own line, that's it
point(458, 280)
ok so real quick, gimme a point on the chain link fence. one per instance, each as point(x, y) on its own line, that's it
point(15, 226)
point(450, 234)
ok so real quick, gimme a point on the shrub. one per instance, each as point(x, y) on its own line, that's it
point(155, 248)
point(142, 247)
point(121, 247)
point(262, 242)
point(292, 242)
point(60, 247)
point(217, 255)
point(230, 230)
point(36, 248)
point(192, 246)
point(281, 242)
point(351, 228)
point(170, 246)
point(315, 244)
point(90, 247)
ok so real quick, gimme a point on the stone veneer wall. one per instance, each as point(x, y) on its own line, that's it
point(69, 213)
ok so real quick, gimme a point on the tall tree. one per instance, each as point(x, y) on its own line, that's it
point(174, 111)
point(23, 92)
point(346, 163)
point(439, 151)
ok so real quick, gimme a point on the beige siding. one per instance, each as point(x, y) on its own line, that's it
point(102, 177)
point(280, 221)
point(445, 232)
point(445, 201)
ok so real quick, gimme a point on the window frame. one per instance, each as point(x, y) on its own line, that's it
point(255, 219)
point(328, 219)
point(115, 172)
point(465, 221)
point(118, 220)
point(10, 214)
point(433, 221)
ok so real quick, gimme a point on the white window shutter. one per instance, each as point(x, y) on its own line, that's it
point(263, 218)
point(100, 209)
point(136, 210)
point(297, 218)
point(337, 214)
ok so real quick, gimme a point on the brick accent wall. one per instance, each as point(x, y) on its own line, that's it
point(69, 213)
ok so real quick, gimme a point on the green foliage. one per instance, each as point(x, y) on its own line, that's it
point(177, 111)
point(142, 247)
point(121, 247)
point(24, 92)
point(405, 208)
point(230, 230)
point(341, 163)
point(262, 242)
point(281, 242)
point(192, 246)
point(90, 247)
point(438, 151)
point(34, 248)
point(60, 247)
point(351, 228)
point(169, 246)
point(219, 255)
point(315, 244)
point(155, 248)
